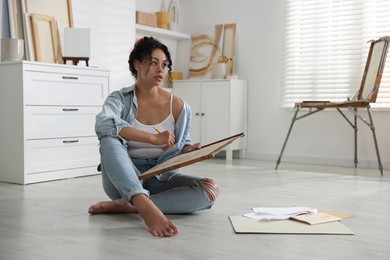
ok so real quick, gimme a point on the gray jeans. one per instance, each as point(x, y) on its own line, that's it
point(180, 194)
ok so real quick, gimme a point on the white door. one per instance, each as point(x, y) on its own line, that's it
point(215, 102)
point(191, 93)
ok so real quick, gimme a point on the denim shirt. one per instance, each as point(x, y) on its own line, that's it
point(120, 110)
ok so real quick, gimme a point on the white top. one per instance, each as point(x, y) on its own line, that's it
point(149, 151)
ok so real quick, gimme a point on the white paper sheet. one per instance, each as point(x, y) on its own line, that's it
point(274, 213)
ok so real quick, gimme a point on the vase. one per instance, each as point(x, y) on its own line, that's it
point(219, 70)
point(11, 49)
point(163, 19)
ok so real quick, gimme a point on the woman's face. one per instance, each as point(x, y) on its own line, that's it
point(152, 71)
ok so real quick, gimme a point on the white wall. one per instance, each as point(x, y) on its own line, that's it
point(151, 5)
point(112, 35)
point(325, 138)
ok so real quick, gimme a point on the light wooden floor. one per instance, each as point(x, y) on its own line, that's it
point(50, 220)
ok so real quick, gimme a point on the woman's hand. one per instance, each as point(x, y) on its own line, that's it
point(166, 138)
point(189, 148)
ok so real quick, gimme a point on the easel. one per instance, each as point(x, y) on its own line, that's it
point(76, 60)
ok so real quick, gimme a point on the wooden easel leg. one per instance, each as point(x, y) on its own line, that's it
point(76, 60)
point(355, 130)
point(380, 167)
point(288, 135)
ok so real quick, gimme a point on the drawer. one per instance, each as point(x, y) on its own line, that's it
point(59, 121)
point(60, 154)
point(45, 88)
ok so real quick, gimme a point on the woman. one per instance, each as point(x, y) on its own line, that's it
point(139, 127)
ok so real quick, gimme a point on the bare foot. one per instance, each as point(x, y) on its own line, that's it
point(112, 206)
point(158, 224)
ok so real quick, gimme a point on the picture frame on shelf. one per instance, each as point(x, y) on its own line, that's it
point(44, 30)
point(208, 47)
point(60, 9)
point(205, 50)
point(229, 45)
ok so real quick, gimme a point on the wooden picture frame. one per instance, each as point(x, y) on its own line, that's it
point(60, 9)
point(45, 38)
point(229, 45)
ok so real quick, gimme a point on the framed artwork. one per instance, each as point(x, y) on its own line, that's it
point(60, 9)
point(45, 38)
point(205, 51)
point(209, 47)
point(229, 45)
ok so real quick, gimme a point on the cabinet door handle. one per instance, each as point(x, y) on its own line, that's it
point(70, 109)
point(202, 114)
point(70, 141)
point(69, 77)
point(197, 114)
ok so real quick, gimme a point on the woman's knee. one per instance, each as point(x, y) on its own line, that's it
point(210, 188)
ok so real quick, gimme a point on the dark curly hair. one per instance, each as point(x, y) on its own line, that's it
point(142, 51)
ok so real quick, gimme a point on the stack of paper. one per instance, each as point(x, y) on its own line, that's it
point(278, 213)
point(291, 220)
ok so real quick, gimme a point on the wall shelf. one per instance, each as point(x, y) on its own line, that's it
point(158, 32)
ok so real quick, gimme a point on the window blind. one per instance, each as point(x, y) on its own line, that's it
point(325, 48)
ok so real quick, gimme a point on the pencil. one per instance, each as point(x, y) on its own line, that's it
point(158, 131)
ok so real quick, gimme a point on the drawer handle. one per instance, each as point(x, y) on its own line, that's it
point(69, 77)
point(70, 109)
point(70, 141)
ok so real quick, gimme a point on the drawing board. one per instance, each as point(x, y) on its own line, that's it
point(206, 152)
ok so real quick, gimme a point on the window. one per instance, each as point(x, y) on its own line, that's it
point(326, 48)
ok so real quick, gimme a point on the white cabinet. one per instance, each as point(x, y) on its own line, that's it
point(48, 116)
point(219, 110)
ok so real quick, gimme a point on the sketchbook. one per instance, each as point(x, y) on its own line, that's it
point(181, 160)
point(316, 218)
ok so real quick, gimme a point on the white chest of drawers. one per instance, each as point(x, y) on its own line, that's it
point(47, 114)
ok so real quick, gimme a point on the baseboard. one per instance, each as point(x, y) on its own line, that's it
point(369, 164)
